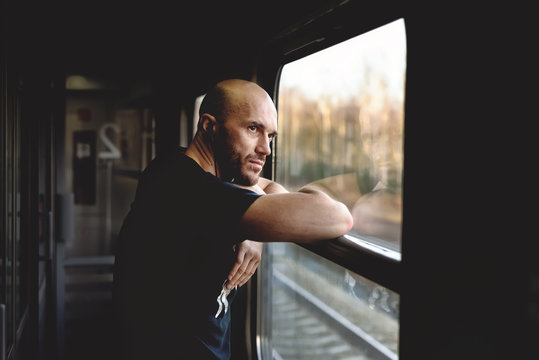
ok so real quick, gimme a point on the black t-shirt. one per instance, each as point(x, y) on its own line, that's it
point(175, 250)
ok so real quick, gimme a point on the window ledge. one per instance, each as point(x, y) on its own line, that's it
point(363, 257)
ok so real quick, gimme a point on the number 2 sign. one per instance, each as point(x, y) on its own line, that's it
point(112, 151)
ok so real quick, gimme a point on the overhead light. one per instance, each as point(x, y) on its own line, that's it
point(79, 82)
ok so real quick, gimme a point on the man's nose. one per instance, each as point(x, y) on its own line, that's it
point(264, 146)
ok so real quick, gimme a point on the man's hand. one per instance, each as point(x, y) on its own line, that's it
point(248, 255)
point(271, 187)
point(265, 186)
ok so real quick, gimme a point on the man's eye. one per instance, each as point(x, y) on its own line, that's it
point(252, 128)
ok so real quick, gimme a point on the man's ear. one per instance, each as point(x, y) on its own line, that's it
point(208, 123)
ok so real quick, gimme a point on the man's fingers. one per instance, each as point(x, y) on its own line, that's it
point(239, 268)
point(243, 273)
point(245, 277)
point(239, 260)
point(246, 274)
point(233, 272)
point(240, 273)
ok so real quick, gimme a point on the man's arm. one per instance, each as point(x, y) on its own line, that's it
point(303, 216)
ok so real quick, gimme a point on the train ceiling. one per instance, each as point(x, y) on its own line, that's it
point(177, 41)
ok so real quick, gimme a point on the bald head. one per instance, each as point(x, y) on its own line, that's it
point(233, 96)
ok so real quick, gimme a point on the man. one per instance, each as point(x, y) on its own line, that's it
point(182, 249)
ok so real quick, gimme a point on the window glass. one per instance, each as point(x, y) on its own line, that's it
point(341, 128)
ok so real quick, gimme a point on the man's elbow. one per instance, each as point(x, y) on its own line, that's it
point(337, 216)
point(346, 222)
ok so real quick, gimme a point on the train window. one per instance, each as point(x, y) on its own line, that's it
point(341, 128)
point(341, 124)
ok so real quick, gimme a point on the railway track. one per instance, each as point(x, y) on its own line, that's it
point(305, 327)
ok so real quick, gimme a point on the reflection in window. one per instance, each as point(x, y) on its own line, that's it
point(341, 128)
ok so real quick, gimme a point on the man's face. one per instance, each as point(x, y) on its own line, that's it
point(243, 141)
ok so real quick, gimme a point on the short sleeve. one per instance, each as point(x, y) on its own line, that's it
point(226, 204)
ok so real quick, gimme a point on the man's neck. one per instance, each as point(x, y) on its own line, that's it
point(201, 152)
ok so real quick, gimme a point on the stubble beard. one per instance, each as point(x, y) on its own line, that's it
point(232, 166)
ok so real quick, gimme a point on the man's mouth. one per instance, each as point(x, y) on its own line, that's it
point(258, 164)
